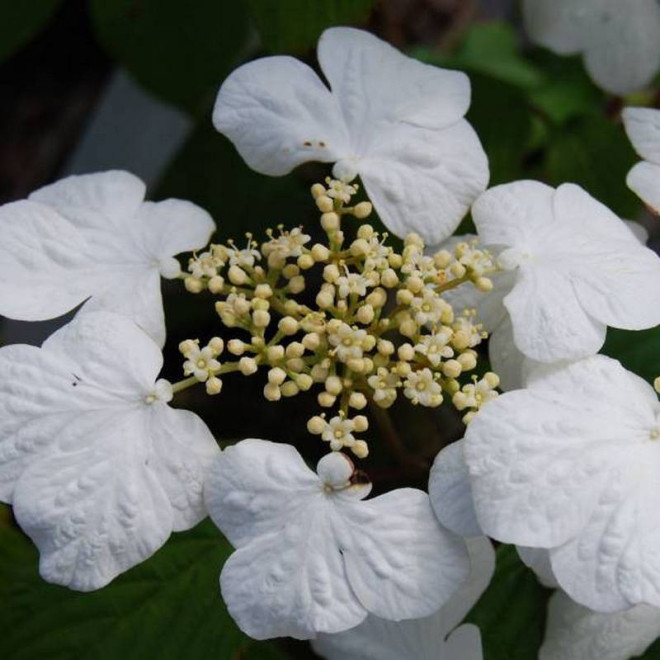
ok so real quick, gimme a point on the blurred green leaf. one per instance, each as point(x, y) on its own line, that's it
point(209, 172)
point(169, 607)
point(20, 21)
point(511, 613)
point(295, 25)
point(596, 154)
point(567, 91)
point(491, 49)
point(638, 351)
point(179, 51)
point(499, 115)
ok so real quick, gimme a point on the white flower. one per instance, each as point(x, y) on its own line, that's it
point(396, 122)
point(98, 468)
point(312, 557)
point(573, 269)
point(436, 637)
point(620, 40)
point(643, 128)
point(94, 237)
point(572, 464)
point(574, 632)
point(421, 388)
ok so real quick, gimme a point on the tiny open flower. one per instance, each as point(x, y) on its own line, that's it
point(94, 237)
point(436, 637)
point(312, 557)
point(571, 268)
point(643, 128)
point(421, 388)
point(396, 122)
point(99, 469)
point(619, 40)
point(572, 464)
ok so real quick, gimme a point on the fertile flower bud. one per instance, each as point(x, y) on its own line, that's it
point(330, 221)
point(362, 210)
point(247, 366)
point(324, 204)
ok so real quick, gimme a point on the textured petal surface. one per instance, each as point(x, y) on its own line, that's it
point(506, 359)
point(581, 481)
point(42, 263)
point(400, 563)
point(98, 476)
point(279, 114)
point(644, 180)
point(451, 493)
point(420, 639)
point(574, 632)
point(643, 129)
point(376, 83)
point(424, 180)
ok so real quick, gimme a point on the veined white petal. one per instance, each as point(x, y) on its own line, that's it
point(643, 129)
point(279, 114)
point(98, 468)
point(574, 632)
point(644, 180)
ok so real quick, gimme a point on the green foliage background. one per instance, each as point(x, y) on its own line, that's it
point(538, 116)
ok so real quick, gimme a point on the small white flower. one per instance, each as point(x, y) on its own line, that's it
point(571, 268)
point(421, 388)
point(435, 347)
point(94, 237)
point(312, 557)
point(384, 384)
point(574, 632)
point(436, 637)
point(348, 343)
point(620, 40)
point(352, 284)
point(572, 464)
point(396, 122)
point(98, 468)
point(643, 128)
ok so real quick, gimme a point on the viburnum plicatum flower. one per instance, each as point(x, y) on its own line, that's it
point(313, 557)
point(574, 632)
point(619, 40)
point(572, 464)
point(435, 637)
point(643, 128)
point(396, 122)
point(572, 268)
point(99, 469)
point(94, 238)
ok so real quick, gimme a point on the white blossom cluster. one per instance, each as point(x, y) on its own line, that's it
point(565, 464)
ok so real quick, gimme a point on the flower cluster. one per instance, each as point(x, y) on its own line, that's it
point(380, 326)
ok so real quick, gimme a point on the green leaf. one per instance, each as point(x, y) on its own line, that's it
point(295, 25)
point(596, 154)
point(511, 613)
point(169, 607)
point(638, 351)
point(20, 21)
point(491, 49)
point(178, 51)
point(209, 172)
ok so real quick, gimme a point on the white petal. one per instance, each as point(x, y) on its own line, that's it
point(173, 226)
point(558, 25)
point(375, 83)
point(622, 49)
point(451, 493)
point(255, 486)
point(420, 639)
point(538, 559)
point(549, 322)
point(574, 632)
point(279, 114)
point(617, 280)
point(400, 563)
point(643, 129)
point(506, 359)
point(540, 458)
point(424, 180)
point(92, 505)
point(42, 262)
point(644, 180)
point(183, 451)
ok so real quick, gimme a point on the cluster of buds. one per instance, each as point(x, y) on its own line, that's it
point(379, 327)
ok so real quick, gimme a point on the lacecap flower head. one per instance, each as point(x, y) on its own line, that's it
point(94, 238)
point(98, 468)
point(396, 122)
